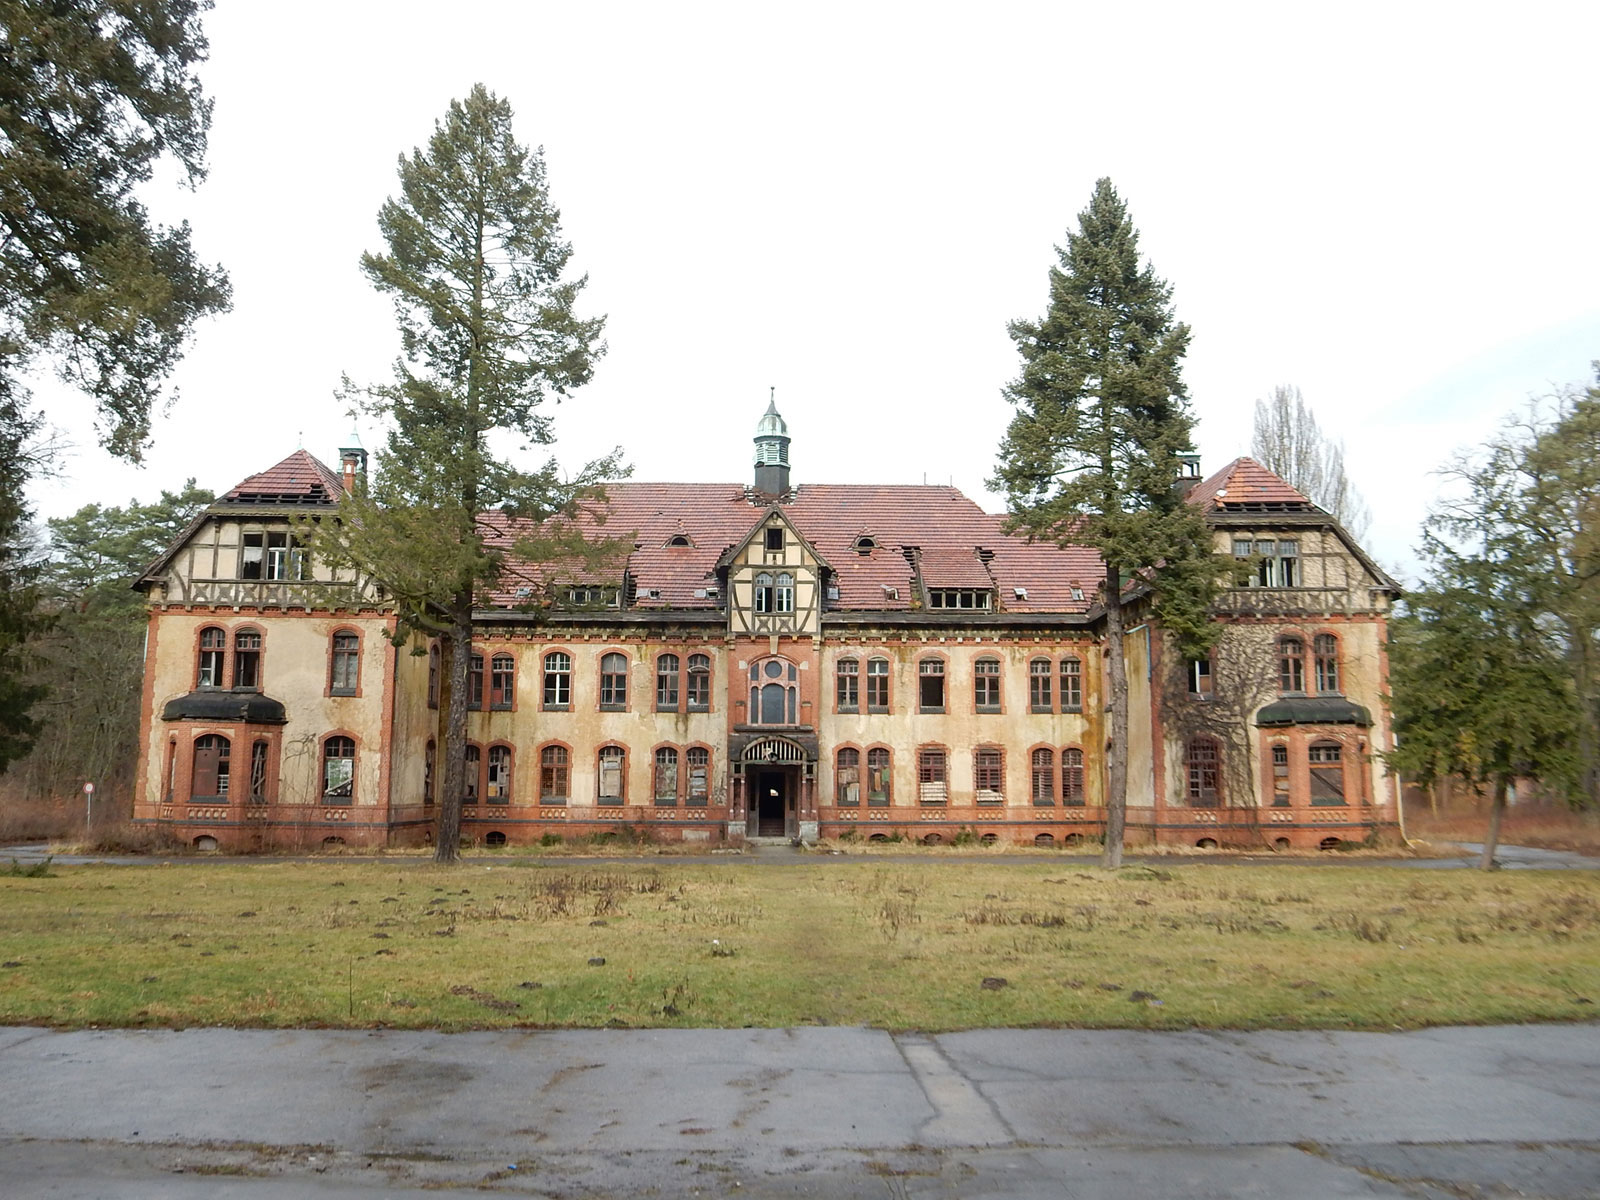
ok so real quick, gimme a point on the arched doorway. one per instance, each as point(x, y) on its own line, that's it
point(772, 769)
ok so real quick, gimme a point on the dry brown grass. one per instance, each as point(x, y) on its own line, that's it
point(1548, 827)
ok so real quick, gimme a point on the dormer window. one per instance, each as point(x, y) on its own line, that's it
point(890, 593)
point(592, 597)
point(972, 598)
point(865, 544)
point(679, 539)
point(1021, 593)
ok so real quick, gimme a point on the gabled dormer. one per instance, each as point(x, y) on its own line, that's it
point(774, 580)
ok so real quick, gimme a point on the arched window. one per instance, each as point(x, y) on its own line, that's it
point(611, 774)
point(1071, 685)
point(1280, 775)
point(1291, 665)
point(1039, 674)
point(247, 659)
point(699, 683)
point(1204, 785)
point(666, 776)
point(847, 778)
point(785, 595)
point(502, 681)
point(475, 683)
point(1072, 776)
point(469, 775)
point(932, 781)
point(430, 761)
point(986, 685)
point(698, 759)
point(614, 683)
point(344, 663)
point(433, 675)
point(1044, 777)
point(930, 685)
point(774, 692)
point(1325, 650)
point(667, 683)
point(1327, 773)
point(765, 601)
point(878, 778)
point(258, 772)
point(499, 789)
point(338, 770)
point(210, 778)
point(558, 680)
point(878, 685)
point(989, 774)
point(213, 649)
point(554, 775)
point(847, 685)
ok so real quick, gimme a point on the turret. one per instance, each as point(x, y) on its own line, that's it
point(772, 452)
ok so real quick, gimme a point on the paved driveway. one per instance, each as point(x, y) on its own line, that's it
point(803, 1112)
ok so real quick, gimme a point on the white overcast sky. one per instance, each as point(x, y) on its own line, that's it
point(1391, 205)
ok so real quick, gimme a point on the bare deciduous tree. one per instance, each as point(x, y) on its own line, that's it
point(1288, 442)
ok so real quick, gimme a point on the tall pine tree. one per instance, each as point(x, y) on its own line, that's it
point(476, 266)
point(1091, 456)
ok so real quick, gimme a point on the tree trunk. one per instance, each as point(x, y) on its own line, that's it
point(447, 839)
point(1117, 758)
point(1497, 807)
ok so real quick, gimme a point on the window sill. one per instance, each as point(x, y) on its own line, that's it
point(932, 712)
point(1072, 804)
point(1329, 804)
point(660, 803)
point(336, 801)
point(553, 801)
point(1044, 803)
point(702, 803)
point(556, 708)
point(1072, 708)
point(988, 708)
point(613, 708)
point(699, 708)
point(336, 691)
point(991, 803)
point(854, 712)
point(878, 709)
point(500, 708)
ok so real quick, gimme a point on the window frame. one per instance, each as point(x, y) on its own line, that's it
point(1291, 665)
point(697, 683)
point(987, 682)
point(929, 667)
point(1202, 762)
point(669, 675)
point(207, 657)
point(878, 681)
point(614, 683)
point(879, 768)
point(555, 679)
point(433, 675)
point(220, 772)
point(697, 758)
point(502, 681)
point(847, 685)
point(761, 680)
point(611, 752)
point(1041, 685)
point(327, 756)
point(1071, 683)
point(476, 692)
point(847, 777)
point(507, 756)
point(666, 777)
point(344, 656)
point(1198, 674)
point(1042, 770)
point(933, 775)
point(988, 775)
point(555, 774)
point(1325, 664)
point(254, 655)
point(1073, 790)
point(1325, 768)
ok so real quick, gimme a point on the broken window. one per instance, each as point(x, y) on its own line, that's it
point(878, 778)
point(473, 757)
point(554, 785)
point(666, 781)
point(258, 772)
point(930, 685)
point(1199, 671)
point(338, 770)
point(1280, 775)
point(210, 778)
point(499, 789)
point(988, 775)
point(247, 659)
point(213, 648)
point(969, 598)
point(774, 539)
point(667, 683)
point(611, 776)
point(765, 601)
point(699, 697)
point(698, 760)
point(847, 778)
point(1204, 782)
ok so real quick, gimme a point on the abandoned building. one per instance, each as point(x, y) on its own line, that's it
point(768, 660)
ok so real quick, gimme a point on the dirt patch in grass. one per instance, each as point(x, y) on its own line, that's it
point(897, 945)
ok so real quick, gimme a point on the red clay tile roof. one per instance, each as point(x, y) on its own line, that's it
point(298, 479)
point(1243, 482)
point(955, 542)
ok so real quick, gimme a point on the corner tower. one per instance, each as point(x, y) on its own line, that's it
point(772, 452)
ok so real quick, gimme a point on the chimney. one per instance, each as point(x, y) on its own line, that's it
point(1188, 472)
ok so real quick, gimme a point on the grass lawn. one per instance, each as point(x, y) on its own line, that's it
point(897, 945)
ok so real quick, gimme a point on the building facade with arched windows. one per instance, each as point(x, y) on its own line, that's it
point(765, 661)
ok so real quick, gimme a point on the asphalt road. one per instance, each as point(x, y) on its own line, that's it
point(1444, 1113)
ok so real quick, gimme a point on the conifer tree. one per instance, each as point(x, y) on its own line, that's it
point(476, 266)
point(1091, 456)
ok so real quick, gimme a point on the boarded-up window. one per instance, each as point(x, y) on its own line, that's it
point(1327, 773)
point(698, 759)
point(499, 775)
point(666, 782)
point(988, 775)
point(338, 770)
point(210, 778)
point(611, 758)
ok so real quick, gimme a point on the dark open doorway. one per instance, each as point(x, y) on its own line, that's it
point(773, 803)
